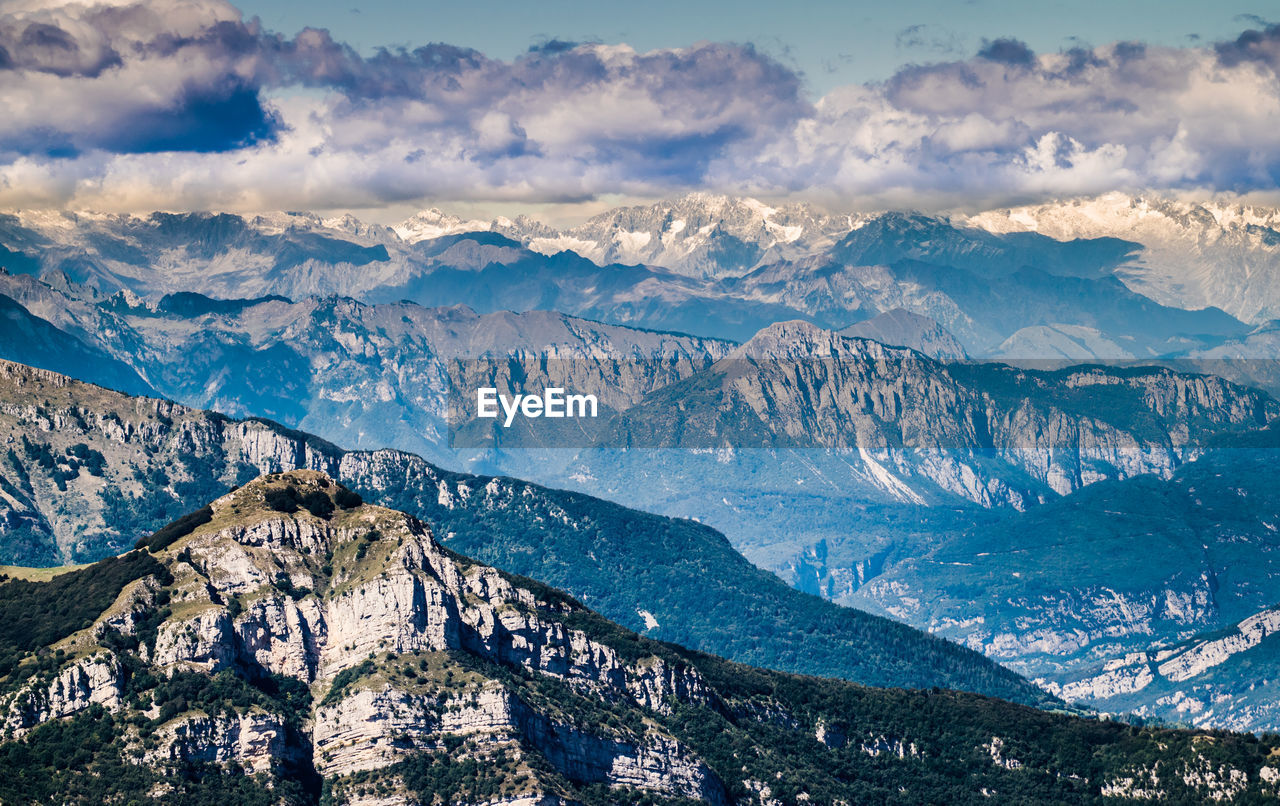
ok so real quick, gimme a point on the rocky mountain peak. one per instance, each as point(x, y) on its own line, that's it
point(393, 642)
point(902, 328)
point(435, 223)
point(298, 495)
point(798, 340)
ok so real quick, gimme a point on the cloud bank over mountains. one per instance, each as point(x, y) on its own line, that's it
point(186, 104)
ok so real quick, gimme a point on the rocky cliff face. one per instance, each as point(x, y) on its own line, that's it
point(988, 433)
point(1224, 678)
point(264, 593)
point(293, 632)
point(1151, 595)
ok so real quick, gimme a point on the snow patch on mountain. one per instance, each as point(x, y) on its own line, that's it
point(1195, 254)
point(699, 235)
point(435, 223)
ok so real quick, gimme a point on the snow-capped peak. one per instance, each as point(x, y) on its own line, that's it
point(434, 223)
point(1195, 254)
point(698, 234)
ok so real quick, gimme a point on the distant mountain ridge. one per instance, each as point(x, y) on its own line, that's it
point(381, 375)
point(901, 328)
point(1196, 253)
point(714, 266)
point(27, 338)
point(382, 371)
point(988, 433)
point(700, 234)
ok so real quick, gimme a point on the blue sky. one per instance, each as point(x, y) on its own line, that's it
point(561, 108)
point(833, 43)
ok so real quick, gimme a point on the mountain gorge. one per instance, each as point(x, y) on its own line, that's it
point(337, 652)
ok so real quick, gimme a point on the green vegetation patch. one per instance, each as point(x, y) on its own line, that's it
point(290, 499)
point(462, 770)
point(33, 574)
point(171, 533)
point(345, 678)
point(224, 693)
point(347, 499)
point(38, 614)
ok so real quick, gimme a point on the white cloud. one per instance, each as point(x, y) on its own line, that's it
point(182, 104)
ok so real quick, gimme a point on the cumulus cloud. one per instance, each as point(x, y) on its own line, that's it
point(185, 104)
point(1260, 45)
point(126, 79)
point(95, 87)
point(1011, 124)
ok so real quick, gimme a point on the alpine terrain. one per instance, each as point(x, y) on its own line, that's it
point(89, 471)
point(289, 643)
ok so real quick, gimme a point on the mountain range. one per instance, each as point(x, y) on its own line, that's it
point(827, 420)
point(104, 468)
point(805, 383)
point(1148, 595)
point(1185, 254)
point(713, 266)
point(337, 652)
point(1195, 253)
point(89, 471)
